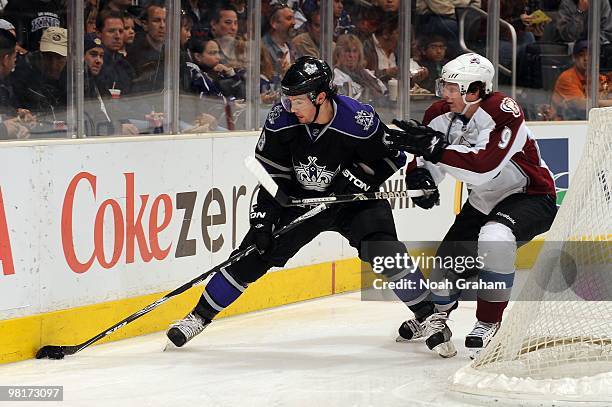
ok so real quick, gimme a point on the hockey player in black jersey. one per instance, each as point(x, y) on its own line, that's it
point(314, 143)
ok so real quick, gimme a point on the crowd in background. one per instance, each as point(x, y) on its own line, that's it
point(124, 52)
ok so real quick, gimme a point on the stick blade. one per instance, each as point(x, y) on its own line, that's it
point(265, 179)
point(51, 352)
point(261, 174)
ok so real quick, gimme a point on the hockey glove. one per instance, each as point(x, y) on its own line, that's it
point(418, 139)
point(262, 222)
point(354, 180)
point(420, 178)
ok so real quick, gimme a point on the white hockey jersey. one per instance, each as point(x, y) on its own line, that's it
point(494, 153)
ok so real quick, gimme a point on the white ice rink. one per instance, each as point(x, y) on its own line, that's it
point(335, 351)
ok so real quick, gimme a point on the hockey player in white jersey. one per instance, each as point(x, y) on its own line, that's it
point(479, 137)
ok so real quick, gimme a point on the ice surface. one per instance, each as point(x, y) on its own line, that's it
point(335, 351)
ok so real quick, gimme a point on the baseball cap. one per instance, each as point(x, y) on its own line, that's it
point(580, 46)
point(55, 39)
point(6, 25)
point(91, 41)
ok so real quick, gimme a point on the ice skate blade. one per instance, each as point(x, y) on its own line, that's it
point(474, 352)
point(445, 349)
point(169, 347)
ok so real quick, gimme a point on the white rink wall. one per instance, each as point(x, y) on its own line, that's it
point(93, 220)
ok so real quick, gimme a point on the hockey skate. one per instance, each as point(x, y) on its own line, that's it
point(479, 338)
point(182, 331)
point(439, 335)
point(433, 328)
point(410, 330)
point(413, 328)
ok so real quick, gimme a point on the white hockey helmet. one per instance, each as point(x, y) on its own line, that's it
point(466, 69)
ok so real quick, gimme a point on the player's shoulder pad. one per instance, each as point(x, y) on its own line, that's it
point(279, 119)
point(502, 108)
point(354, 118)
point(438, 108)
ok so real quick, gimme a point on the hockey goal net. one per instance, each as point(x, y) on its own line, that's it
point(556, 341)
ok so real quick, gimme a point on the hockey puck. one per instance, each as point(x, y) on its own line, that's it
point(51, 352)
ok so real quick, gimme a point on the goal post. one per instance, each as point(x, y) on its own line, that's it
point(556, 341)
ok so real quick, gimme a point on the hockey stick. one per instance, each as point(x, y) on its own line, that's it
point(58, 352)
point(271, 186)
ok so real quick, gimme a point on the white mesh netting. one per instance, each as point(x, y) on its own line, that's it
point(556, 341)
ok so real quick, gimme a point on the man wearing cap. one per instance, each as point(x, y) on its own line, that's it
point(40, 79)
point(99, 110)
point(569, 94)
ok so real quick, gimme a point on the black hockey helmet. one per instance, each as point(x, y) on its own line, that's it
point(308, 75)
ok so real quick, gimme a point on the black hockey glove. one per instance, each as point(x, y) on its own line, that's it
point(262, 222)
point(420, 178)
point(416, 138)
point(353, 180)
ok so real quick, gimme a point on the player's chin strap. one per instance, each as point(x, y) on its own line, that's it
point(468, 104)
point(318, 108)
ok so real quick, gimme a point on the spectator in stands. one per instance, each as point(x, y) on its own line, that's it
point(276, 41)
point(146, 55)
point(517, 13)
point(439, 17)
point(32, 17)
point(350, 74)
point(417, 71)
point(367, 20)
point(99, 109)
point(569, 94)
point(217, 87)
point(129, 33)
point(224, 29)
point(212, 78)
point(91, 15)
point(11, 125)
point(39, 80)
point(5, 25)
point(269, 91)
point(573, 20)
point(116, 73)
point(307, 43)
point(342, 19)
point(186, 26)
point(241, 12)
point(199, 13)
point(432, 57)
point(120, 6)
point(389, 6)
point(380, 49)
point(186, 56)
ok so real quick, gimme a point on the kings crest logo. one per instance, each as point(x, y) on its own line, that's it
point(364, 119)
point(312, 176)
point(275, 113)
point(310, 68)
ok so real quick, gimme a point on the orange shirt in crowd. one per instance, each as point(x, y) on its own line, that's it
point(571, 85)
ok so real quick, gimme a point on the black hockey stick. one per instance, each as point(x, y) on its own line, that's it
point(58, 352)
point(272, 187)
